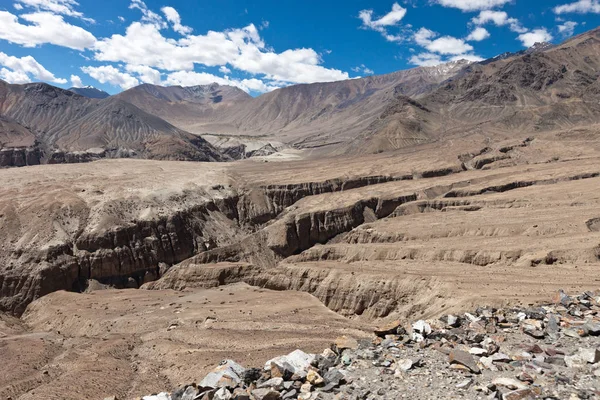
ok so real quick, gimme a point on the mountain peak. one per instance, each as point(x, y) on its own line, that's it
point(90, 92)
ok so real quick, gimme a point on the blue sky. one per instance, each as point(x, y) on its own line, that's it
point(260, 45)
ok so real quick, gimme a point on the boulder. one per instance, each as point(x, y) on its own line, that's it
point(297, 359)
point(227, 374)
point(465, 359)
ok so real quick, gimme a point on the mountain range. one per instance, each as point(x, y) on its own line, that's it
point(545, 88)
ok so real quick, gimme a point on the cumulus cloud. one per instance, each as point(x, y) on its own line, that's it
point(145, 74)
point(473, 5)
point(25, 69)
point(381, 24)
point(426, 59)
point(440, 50)
point(64, 7)
point(498, 18)
point(478, 34)
point(148, 15)
point(224, 70)
point(43, 27)
point(76, 81)
point(173, 17)
point(580, 7)
point(111, 75)
point(535, 36)
point(443, 45)
point(243, 49)
point(567, 28)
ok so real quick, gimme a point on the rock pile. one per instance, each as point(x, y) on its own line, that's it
point(550, 351)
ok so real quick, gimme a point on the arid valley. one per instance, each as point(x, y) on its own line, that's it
point(149, 235)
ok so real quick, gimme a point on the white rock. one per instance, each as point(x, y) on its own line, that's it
point(404, 364)
point(472, 318)
point(476, 351)
point(222, 394)
point(160, 396)
point(228, 373)
point(575, 361)
point(464, 384)
point(298, 359)
point(510, 383)
point(592, 356)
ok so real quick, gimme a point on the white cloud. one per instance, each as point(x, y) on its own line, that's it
point(148, 16)
point(64, 7)
point(423, 36)
point(567, 28)
point(122, 19)
point(581, 7)
point(467, 57)
point(145, 74)
point(111, 75)
point(389, 19)
point(15, 77)
point(449, 45)
point(363, 69)
point(478, 34)
point(473, 5)
point(173, 17)
point(21, 70)
point(44, 27)
point(17, 6)
point(498, 18)
point(76, 81)
point(426, 59)
point(381, 24)
point(535, 36)
point(243, 49)
point(224, 70)
point(443, 45)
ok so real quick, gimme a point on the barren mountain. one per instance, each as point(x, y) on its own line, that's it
point(90, 92)
point(306, 116)
point(183, 106)
point(60, 120)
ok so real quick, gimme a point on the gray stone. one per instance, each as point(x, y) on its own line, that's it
point(465, 359)
point(273, 383)
point(266, 394)
point(592, 328)
point(292, 394)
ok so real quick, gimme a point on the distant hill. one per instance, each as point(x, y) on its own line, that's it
point(90, 92)
point(59, 120)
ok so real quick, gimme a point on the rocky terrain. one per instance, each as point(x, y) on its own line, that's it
point(545, 351)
